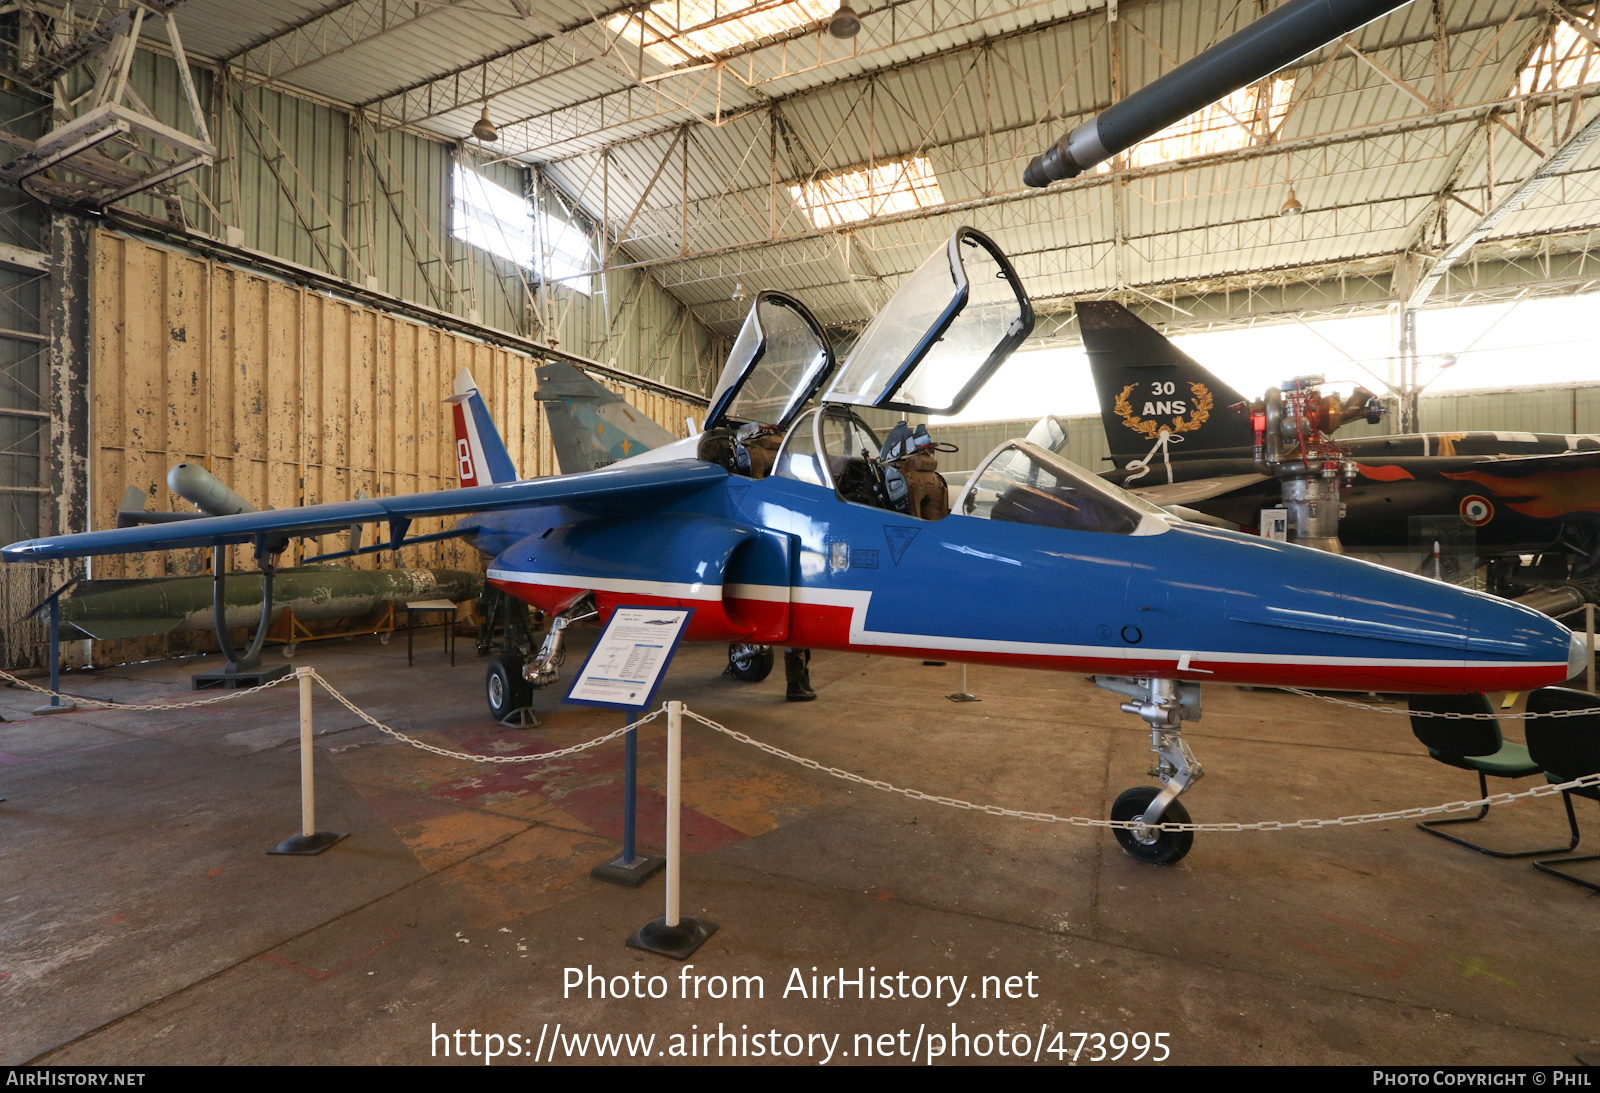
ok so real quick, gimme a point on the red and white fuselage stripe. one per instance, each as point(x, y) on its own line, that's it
point(837, 619)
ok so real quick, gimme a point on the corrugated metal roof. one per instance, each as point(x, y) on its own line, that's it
point(978, 89)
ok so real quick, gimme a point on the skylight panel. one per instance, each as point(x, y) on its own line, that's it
point(492, 218)
point(869, 191)
point(502, 222)
point(1566, 59)
point(1243, 119)
point(680, 32)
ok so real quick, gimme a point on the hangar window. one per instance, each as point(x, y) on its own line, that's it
point(1566, 59)
point(869, 191)
point(566, 252)
point(679, 32)
point(502, 222)
point(1245, 118)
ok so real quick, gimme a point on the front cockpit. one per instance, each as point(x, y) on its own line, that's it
point(1022, 483)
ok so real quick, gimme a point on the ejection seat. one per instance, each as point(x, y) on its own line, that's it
point(778, 361)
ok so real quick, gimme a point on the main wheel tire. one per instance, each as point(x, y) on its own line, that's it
point(750, 663)
point(1161, 847)
point(504, 687)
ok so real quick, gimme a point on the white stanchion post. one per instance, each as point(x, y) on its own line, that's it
point(308, 787)
point(673, 934)
point(309, 840)
point(964, 695)
point(674, 809)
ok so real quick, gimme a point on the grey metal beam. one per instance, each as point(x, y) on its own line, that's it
point(1553, 167)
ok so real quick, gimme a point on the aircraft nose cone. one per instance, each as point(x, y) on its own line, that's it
point(1577, 656)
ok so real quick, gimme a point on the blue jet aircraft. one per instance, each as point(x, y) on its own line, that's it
point(1040, 564)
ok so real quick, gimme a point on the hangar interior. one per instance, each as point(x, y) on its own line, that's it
point(264, 239)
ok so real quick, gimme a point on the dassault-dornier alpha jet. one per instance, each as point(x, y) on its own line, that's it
point(1038, 563)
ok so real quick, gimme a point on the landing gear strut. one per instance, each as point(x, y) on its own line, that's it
point(545, 668)
point(510, 681)
point(1163, 704)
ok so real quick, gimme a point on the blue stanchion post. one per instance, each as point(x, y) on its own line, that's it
point(628, 868)
point(55, 705)
point(630, 791)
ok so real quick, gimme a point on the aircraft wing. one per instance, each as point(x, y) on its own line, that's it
point(1554, 461)
point(602, 488)
point(1198, 489)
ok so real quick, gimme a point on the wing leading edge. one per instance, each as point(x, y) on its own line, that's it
point(632, 484)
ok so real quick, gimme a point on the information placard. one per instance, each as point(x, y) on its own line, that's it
point(631, 657)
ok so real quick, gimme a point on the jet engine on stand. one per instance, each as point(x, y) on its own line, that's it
point(1292, 444)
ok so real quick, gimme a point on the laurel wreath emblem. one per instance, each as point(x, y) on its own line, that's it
point(1152, 429)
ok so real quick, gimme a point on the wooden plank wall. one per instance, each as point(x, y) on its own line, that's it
point(290, 396)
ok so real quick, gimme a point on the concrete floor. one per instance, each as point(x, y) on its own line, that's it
point(143, 923)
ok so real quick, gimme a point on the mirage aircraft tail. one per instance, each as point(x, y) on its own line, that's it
point(592, 426)
point(1148, 386)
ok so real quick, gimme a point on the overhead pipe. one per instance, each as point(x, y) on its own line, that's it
point(1257, 51)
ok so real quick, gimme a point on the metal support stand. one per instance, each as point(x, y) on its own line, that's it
point(963, 695)
point(309, 840)
point(627, 868)
point(243, 669)
point(57, 706)
point(1588, 633)
point(673, 935)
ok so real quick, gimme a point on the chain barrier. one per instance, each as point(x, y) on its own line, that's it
point(226, 696)
point(1446, 715)
point(888, 787)
point(347, 704)
point(1135, 825)
point(468, 756)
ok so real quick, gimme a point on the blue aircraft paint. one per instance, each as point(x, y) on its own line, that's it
point(501, 468)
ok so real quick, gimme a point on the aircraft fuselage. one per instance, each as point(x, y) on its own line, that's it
point(780, 561)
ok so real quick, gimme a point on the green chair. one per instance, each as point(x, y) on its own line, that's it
point(1566, 748)
point(1474, 744)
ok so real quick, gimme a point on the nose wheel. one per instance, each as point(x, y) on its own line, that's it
point(1163, 704)
point(1151, 845)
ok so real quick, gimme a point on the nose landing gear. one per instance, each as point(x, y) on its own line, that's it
point(1163, 704)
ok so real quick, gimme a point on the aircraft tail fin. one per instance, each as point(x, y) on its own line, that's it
point(1148, 385)
point(482, 455)
point(592, 426)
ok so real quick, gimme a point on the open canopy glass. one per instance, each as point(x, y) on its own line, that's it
point(778, 361)
point(940, 337)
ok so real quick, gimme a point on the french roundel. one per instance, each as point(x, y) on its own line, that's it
point(1476, 510)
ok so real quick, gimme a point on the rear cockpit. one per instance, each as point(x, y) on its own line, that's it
point(946, 330)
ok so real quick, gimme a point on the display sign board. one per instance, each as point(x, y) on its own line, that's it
point(631, 657)
point(1275, 524)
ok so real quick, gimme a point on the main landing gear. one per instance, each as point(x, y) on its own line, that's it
point(749, 663)
point(1164, 704)
point(511, 681)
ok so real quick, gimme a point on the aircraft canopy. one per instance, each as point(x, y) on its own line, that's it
point(778, 361)
point(942, 334)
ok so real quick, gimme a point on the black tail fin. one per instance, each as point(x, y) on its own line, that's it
point(1147, 384)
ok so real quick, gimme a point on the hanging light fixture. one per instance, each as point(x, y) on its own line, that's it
point(844, 23)
point(484, 129)
point(1292, 207)
point(738, 292)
